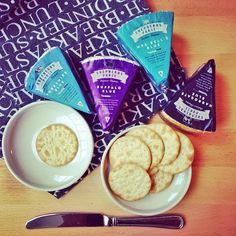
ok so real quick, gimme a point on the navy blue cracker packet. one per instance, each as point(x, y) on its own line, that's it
point(193, 108)
point(81, 28)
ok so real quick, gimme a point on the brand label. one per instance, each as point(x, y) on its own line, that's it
point(109, 74)
point(191, 112)
point(46, 74)
point(148, 29)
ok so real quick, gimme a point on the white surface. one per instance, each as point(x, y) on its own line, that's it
point(20, 152)
point(153, 203)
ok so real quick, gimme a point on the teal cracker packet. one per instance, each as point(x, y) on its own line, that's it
point(148, 39)
point(51, 77)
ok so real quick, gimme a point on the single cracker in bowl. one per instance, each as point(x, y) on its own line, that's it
point(184, 159)
point(170, 140)
point(129, 149)
point(129, 181)
point(160, 181)
point(57, 145)
point(153, 141)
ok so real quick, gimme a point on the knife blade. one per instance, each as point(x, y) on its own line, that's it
point(75, 219)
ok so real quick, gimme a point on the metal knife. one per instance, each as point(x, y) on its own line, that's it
point(73, 219)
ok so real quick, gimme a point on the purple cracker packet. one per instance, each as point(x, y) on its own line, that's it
point(109, 78)
point(193, 107)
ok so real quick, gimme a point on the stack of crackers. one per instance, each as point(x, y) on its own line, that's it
point(145, 160)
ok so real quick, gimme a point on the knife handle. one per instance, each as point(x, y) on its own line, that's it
point(159, 221)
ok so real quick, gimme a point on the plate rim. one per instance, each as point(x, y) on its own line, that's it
point(129, 210)
point(9, 125)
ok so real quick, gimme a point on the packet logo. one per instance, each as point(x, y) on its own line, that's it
point(109, 73)
point(107, 118)
point(46, 74)
point(148, 29)
point(190, 112)
point(161, 73)
point(209, 70)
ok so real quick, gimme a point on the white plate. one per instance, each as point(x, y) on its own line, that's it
point(153, 203)
point(20, 152)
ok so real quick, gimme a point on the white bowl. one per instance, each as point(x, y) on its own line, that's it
point(20, 152)
point(153, 203)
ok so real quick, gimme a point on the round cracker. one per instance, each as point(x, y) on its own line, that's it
point(129, 181)
point(153, 141)
point(170, 140)
point(129, 149)
point(57, 145)
point(184, 159)
point(160, 181)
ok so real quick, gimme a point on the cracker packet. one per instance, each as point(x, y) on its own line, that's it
point(109, 78)
point(51, 77)
point(193, 107)
point(148, 39)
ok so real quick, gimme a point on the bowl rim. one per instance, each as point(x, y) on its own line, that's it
point(9, 124)
point(113, 196)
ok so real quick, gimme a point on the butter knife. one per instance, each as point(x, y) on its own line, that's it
point(74, 219)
